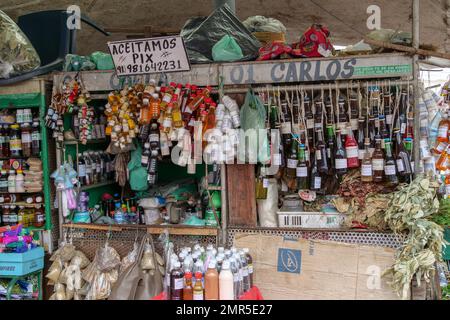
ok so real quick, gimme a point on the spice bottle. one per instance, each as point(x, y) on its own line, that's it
point(212, 282)
point(188, 289)
point(226, 289)
point(35, 140)
point(19, 181)
point(3, 181)
point(197, 293)
point(12, 181)
point(176, 282)
point(26, 140)
point(15, 141)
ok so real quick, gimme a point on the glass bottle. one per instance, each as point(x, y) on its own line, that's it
point(343, 119)
point(188, 289)
point(292, 161)
point(321, 153)
point(309, 118)
point(330, 146)
point(167, 122)
point(3, 181)
point(176, 113)
point(167, 96)
point(35, 140)
point(153, 168)
point(15, 141)
point(361, 138)
point(153, 137)
point(316, 183)
point(378, 161)
point(340, 155)
point(145, 157)
point(354, 113)
point(366, 164)
point(351, 149)
point(318, 118)
point(372, 133)
point(390, 172)
point(176, 282)
point(387, 96)
point(402, 158)
point(198, 100)
point(197, 293)
point(302, 170)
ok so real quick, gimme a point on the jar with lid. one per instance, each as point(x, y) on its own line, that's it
point(15, 141)
point(5, 215)
point(27, 116)
point(26, 140)
point(21, 217)
point(13, 218)
point(19, 116)
point(39, 217)
point(3, 181)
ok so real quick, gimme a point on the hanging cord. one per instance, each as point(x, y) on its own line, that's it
point(324, 111)
point(397, 104)
point(367, 109)
point(359, 100)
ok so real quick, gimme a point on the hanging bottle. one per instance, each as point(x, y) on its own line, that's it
point(302, 170)
point(378, 161)
point(340, 156)
point(351, 149)
point(390, 172)
point(168, 120)
point(361, 139)
point(330, 146)
point(316, 178)
point(292, 161)
point(321, 153)
point(366, 164)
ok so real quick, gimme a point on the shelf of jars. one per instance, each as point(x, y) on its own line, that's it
point(24, 155)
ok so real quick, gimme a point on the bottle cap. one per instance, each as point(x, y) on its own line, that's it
point(212, 264)
point(19, 171)
point(226, 265)
point(172, 84)
point(367, 141)
point(188, 275)
point(198, 275)
point(155, 96)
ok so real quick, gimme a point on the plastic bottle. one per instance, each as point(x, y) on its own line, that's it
point(197, 292)
point(19, 181)
point(235, 271)
point(35, 140)
point(176, 282)
point(226, 282)
point(212, 282)
point(12, 181)
point(245, 276)
point(240, 290)
point(188, 289)
point(249, 265)
point(434, 127)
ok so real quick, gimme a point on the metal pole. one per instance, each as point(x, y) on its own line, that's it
point(230, 3)
point(416, 74)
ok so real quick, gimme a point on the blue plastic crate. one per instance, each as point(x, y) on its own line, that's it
point(20, 264)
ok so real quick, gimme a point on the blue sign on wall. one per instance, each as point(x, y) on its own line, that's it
point(289, 260)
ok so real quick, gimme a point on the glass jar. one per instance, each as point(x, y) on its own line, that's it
point(15, 141)
point(39, 217)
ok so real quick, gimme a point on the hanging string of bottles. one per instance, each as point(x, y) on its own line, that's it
point(328, 133)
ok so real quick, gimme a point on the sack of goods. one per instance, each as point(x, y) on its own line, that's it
point(33, 178)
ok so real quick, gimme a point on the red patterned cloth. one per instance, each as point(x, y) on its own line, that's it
point(313, 43)
point(253, 294)
point(273, 50)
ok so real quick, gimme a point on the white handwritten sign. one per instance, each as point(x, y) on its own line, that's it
point(150, 55)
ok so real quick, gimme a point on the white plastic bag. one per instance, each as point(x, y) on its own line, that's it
point(267, 208)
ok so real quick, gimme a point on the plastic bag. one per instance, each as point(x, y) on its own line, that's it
point(267, 208)
point(227, 49)
point(200, 35)
point(254, 144)
point(103, 61)
point(263, 24)
point(55, 270)
point(147, 261)
point(130, 258)
point(138, 174)
point(79, 259)
point(107, 258)
point(74, 62)
point(17, 54)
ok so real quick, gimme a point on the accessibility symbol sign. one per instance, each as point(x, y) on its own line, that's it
point(289, 260)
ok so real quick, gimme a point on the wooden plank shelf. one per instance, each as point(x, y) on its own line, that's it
point(153, 229)
point(97, 185)
point(75, 142)
point(307, 229)
point(357, 67)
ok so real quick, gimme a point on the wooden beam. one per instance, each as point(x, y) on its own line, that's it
point(183, 230)
point(411, 50)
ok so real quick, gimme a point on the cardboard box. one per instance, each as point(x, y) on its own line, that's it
point(317, 269)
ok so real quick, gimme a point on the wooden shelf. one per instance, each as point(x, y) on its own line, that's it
point(22, 204)
point(97, 185)
point(94, 141)
point(153, 229)
point(308, 229)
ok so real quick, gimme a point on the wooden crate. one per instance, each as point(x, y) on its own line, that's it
point(241, 195)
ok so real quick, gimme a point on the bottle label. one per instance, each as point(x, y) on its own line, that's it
point(400, 165)
point(328, 152)
point(286, 128)
point(310, 123)
point(403, 128)
point(250, 269)
point(265, 183)
point(15, 144)
point(178, 284)
point(389, 170)
point(318, 125)
point(361, 154)
point(167, 98)
point(11, 183)
point(442, 132)
point(378, 164)
point(3, 184)
point(154, 137)
point(441, 147)
point(245, 272)
point(167, 123)
point(302, 171)
point(341, 163)
point(318, 155)
point(292, 163)
point(26, 138)
point(197, 296)
point(35, 136)
point(366, 170)
point(40, 218)
point(352, 152)
point(317, 182)
point(389, 119)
